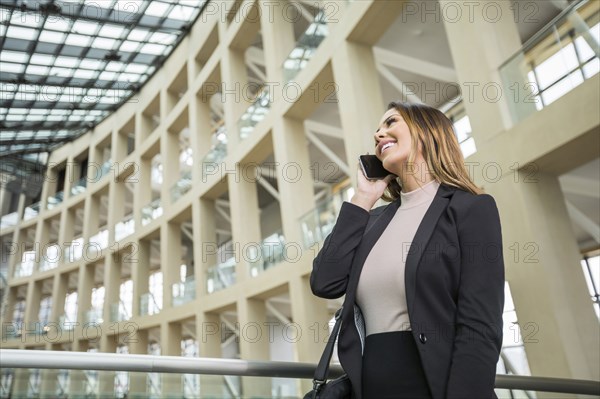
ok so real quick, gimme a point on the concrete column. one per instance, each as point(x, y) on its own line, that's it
point(5, 197)
point(49, 188)
point(200, 132)
point(77, 378)
point(138, 381)
point(169, 148)
point(493, 24)
point(311, 314)
point(245, 216)
point(254, 343)
point(208, 332)
point(85, 284)
point(170, 345)
point(233, 73)
point(360, 100)
point(139, 275)
point(277, 33)
point(32, 306)
point(558, 324)
point(143, 194)
point(71, 175)
point(205, 241)
point(170, 259)
point(116, 210)
point(59, 294)
point(41, 242)
point(112, 285)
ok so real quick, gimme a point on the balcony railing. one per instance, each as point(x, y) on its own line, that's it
point(183, 292)
point(79, 186)
point(119, 311)
point(221, 276)
point(306, 46)
point(9, 220)
point(124, 228)
point(94, 316)
point(51, 258)
point(149, 305)
point(254, 113)
point(98, 241)
point(216, 154)
point(271, 252)
point(26, 266)
point(55, 200)
point(32, 211)
point(75, 250)
point(140, 365)
point(558, 58)
point(151, 211)
point(66, 323)
point(182, 186)
point(318, 223)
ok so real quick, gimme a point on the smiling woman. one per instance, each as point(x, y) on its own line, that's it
point(420, 323)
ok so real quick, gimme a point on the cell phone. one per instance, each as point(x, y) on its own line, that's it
point(372, 167)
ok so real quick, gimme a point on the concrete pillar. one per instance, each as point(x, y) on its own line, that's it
point(170, 259)
point(200, 132)
point(112, 285)
point(170, 345)
point(71, 175)
point(143, 194)
point(245, 216)
point(493, 24)
point(59, 294)
point(205, 241)
point(85, 284)
point(254, 343)
point(138, 381)
point(558, 324)
point(208, 331)
point(32, 307)
point(139, 276)
point(233, 73)
point(360, 100)
point(169, 152)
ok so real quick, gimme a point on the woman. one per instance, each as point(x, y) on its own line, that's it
point(423, 276)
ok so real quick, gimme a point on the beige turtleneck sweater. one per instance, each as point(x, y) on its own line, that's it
point(380, 294)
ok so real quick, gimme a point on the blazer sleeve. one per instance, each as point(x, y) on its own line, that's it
point(331, 266)
point(478, 338)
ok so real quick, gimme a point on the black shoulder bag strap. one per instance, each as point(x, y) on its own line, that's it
point(323, 366)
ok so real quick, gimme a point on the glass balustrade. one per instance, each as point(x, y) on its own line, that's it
point(218, 152)
point(318, 223)
point(97, 243)
point(119, 312)
point(51, 258)
point(32, 211)
point(149, 305)
point(94, 316)
point(558, 58)
point(182, 186)
point(221, 276)
point(151, 211)
point(254, 113)
point(75, 250)
point(26, 266)
point(9, 220)
point(79, 186)
point(66, 323)
point(268, 254)
point(306, 46)
point(55, 200)
point(104, 170)
point(183, 292)
point(124, 228)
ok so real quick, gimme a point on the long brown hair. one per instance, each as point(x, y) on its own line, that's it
point(430, 127)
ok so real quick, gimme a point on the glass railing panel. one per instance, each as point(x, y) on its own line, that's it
point(306, 46)
point(182, 186)
point(124, 228)
point(9, 220)
point(554, 61)
point(66, 322)
point(183, 292)
point(93, 316)
point(32, 211)
point(255, 113)
point(268, 254)
point(210, 162)
point(75, 250)
point(221, 276)
point(98, 241)
point(104, 169)
point(149, 305)
point(51, 258)
point(79, 186)
point(55, 200)
point(119, 311)
point(151, 211)
point(26, 266)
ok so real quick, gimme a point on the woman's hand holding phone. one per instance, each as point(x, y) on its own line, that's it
point(369, 191)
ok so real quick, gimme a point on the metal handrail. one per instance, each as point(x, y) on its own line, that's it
point(36, 359)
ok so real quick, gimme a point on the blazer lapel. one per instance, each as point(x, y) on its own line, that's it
point(420, 240)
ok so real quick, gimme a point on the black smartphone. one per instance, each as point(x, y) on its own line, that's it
point(372, 167)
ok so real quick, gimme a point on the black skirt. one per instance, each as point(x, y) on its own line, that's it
point(392, 368)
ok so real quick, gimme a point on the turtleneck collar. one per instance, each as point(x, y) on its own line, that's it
point(419, 195)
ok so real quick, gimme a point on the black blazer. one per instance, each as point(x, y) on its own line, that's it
point(454, 280)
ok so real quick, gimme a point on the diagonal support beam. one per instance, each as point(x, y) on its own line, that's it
point(415, 65)
point(327, 151)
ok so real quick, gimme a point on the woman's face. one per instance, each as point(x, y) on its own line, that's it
point(392, 141)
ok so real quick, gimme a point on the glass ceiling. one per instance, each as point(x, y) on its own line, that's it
point(66, 65)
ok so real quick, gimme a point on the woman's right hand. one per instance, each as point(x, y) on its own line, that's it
point(369, 191)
